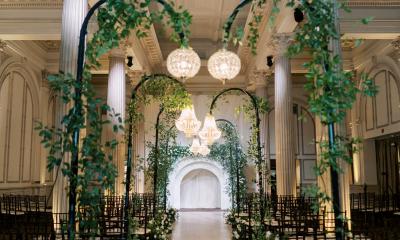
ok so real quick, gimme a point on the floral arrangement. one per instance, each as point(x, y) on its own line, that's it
point(161, 226)
point(240, 229)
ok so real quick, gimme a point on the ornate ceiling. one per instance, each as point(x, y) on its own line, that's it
point(40, 20)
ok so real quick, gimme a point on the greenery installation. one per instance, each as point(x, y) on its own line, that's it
point(96, 172)
point(253, 107)
point(332, 91)
point(172, 97)
point(232, 158)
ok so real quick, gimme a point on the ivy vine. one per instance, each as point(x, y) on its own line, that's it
point(96, 172)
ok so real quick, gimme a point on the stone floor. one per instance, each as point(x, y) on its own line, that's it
point(201, 225)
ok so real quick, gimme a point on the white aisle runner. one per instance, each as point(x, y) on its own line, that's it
point(201, 226)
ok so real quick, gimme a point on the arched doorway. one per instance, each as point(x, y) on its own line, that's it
point(198, 183)
point(200, 189)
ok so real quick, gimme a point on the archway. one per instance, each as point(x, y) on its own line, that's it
point(200, 189)
point(186, 169)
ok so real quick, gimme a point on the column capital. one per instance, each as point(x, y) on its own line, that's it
point(280, 42)
point(261, 78)
point(396, 43)
point(117, 53)
point(134, 76)
point(3, 45)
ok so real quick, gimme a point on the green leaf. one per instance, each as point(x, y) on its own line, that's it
point(366, 20)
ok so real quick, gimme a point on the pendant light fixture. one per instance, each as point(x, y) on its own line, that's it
point(210, 132)
point(196, 147)
point(204, 150)
point(187, 122)
point(183, 63)
point(224, 65)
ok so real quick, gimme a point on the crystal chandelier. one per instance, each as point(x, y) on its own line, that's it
point(210, 132)
point(188, 122)
point(183, 63)
point(196, 147)
point(204, 150)
point(224, 65)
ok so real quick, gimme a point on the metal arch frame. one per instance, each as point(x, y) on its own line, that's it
point(254, 102)
point(144, 79)
point(230, 124)
point(228, 24)
point(78, 102)
point(78, 109)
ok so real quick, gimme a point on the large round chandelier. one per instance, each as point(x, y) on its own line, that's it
point(204, 150)
point(196, 147)
point(224, 65)
point(209, 133)
point(187, 122)
point(183, 63)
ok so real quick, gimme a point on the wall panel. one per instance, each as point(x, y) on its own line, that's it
point(394, 99)
point(4, 116)
point(15, 147)
point(28, 136)
point(381, 101)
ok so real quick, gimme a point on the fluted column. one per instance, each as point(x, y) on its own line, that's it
point(74, 13)
point(261, 82)
point(138, 139)
point(284, 130)
point(116, 99)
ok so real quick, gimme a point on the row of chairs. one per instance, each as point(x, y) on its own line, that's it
point(287, 216)
point(110, 222)
point(374, 215)
point(14, 204)
point(372, 202)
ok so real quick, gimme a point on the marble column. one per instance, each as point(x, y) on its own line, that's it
point(261, 82)
point(116, 99)
point(284, 128)
point(74, 13)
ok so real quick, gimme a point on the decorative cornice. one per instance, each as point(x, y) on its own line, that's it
point(31, 4)
point(152, 48)
point(372, 3)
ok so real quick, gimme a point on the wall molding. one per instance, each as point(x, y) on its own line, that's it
point(16, 4)
point(372, 3)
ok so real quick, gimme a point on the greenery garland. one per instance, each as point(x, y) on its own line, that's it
point(332, 90)
point(97, 173)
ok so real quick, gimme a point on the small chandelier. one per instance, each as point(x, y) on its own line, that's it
point(183, 63)
point(196, 147)
point(188, 122)
point(224, 65)
point(210, 132)
point(204, 150)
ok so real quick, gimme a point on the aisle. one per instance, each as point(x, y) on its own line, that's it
point(201, 226)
